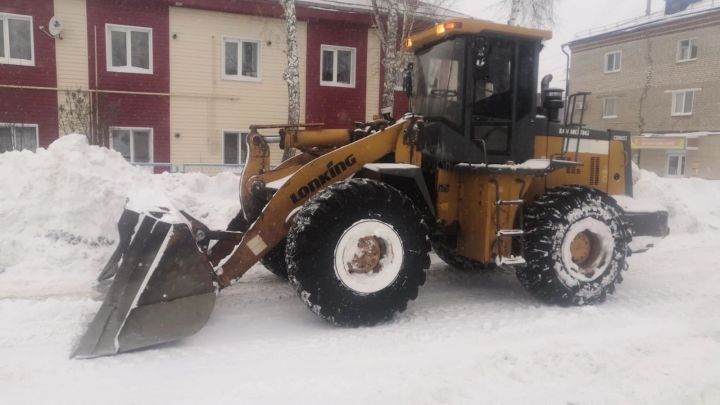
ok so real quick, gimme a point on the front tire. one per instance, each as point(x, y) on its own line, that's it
point(576, 244)
point(357, 252)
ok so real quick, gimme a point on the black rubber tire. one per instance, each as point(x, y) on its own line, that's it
point(454, 260)
point(311, 248)
point(274, 260)
point(547, 221)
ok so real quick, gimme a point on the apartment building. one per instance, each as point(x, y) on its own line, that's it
point(657, 77)
point(179, 82)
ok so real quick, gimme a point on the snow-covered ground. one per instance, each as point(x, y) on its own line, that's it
point(469, 338)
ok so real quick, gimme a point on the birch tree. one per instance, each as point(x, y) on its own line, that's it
point(531, 13)
point(78, 114)
point(292, 70)
point(395, 20)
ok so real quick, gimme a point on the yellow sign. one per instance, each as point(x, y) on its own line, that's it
point(646, 142)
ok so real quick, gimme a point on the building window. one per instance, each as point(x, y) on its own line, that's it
point(129, 49)
point(16, 40)
point(610, 107)
point(18, 137)
point(613, 62)
point(675, 164)
point(135, 144)
point(682, 102)
point(337, 66)
point(242, 59)
point(687, 50)
point(234, 147)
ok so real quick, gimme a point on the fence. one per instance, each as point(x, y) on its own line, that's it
point(209, 169)
point(156, 167)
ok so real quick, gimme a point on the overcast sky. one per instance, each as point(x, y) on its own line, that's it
point(574, 16)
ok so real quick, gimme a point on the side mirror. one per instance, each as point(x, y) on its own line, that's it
point(408, 79)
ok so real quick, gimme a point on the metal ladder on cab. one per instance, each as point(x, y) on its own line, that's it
point(503, 235)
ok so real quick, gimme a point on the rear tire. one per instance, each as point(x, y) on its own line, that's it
point(576, 244)
point(324, 249)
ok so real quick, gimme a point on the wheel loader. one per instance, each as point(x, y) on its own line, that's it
point(482, 170)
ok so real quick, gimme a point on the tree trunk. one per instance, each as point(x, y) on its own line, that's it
point(390, 60)
point(292, 71)
point(515, 9)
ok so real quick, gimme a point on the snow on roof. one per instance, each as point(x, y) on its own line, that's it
point(647, 21)
point(365, 6)
point(688, 135)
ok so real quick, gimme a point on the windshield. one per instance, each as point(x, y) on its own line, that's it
point(438, 84)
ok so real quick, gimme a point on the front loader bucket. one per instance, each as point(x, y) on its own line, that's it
point(163, 288)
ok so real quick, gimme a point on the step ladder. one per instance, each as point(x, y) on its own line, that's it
point(503, 236)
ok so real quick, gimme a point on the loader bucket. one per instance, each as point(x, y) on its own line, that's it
point(163, 288)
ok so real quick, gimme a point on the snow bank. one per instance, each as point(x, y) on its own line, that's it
point(59, 209)
point(470, 338)
point(693, 204)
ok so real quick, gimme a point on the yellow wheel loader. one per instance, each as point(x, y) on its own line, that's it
point(478, 171)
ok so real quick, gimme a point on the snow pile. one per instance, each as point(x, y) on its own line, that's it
point(693, 204)
point(59, 209)
point(469, 338)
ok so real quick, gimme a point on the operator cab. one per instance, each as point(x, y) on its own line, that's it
point(475, 82)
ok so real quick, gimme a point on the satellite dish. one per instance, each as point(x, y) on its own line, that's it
point(55, 26)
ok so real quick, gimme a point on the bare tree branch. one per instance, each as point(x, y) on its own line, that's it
point(396, 20)
point(77, 114)
point(531, 13)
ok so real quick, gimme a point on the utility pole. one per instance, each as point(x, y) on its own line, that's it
point(648, 8)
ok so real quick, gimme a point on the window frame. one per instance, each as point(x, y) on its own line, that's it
point(7, 60)
point(692, 42)
point(132, 130)
point(604, 111)
point(240, 76)
point(129, 68)
point(619, 64)
point(682, 163)
point(241, 135)
point(15, 125)
point(673, 110)
point(353, 65)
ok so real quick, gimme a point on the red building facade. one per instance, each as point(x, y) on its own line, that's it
point(129, 70)
point(133, 98)
point(28, 99)
point(336, 104)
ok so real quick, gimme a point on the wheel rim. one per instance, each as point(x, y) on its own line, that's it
point(368, 256)
point(587, 249)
